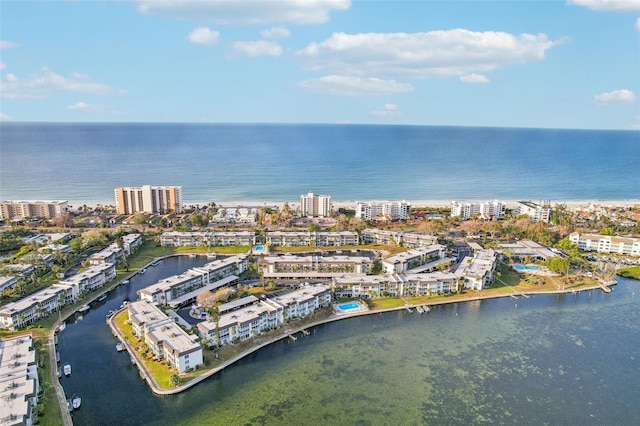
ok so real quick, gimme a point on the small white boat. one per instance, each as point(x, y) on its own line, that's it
point(75, 402)
point(119, 347)
point(84, 308)
point(102, 297)
point(420, 309)
point(142, 271)
point(427, 309)
point(125, 282)
point(110, 313)
point(66, 369)
point(156, 263)
point(62, 326)
point(59, 372)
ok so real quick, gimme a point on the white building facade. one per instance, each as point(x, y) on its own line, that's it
point(536, 212)
point(606, 244)
point(313, 205)
point(383, 210)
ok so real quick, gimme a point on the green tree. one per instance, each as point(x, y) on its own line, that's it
point(608, 231)
point(175, 380)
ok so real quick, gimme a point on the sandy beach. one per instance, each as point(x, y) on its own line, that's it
point(351, 204)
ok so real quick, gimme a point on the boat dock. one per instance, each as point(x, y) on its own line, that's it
point(305, 332)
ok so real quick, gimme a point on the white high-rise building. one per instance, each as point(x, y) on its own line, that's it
point(384, 210)
point(486, 210)
point(536, 212)
point(312, 205)
point(149, 199)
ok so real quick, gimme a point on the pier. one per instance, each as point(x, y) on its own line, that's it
point(292, 337)
point(305, 332)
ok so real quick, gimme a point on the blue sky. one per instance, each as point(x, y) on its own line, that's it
point(549, 64)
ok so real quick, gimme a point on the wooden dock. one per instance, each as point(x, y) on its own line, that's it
point(292, 337)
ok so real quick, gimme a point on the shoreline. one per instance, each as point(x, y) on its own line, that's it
point(158, 391)
point(571, 204)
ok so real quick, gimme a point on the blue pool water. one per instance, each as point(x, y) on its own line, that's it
point(259, 248)
point(348, 306)
point(524, 268)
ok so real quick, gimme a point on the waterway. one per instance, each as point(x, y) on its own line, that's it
point(552, 359)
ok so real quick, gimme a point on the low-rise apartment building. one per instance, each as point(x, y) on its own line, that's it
point(606, 244)
point(165, 338)
point(403, 239)
point(476, 272)
point(173, 287)
point(243, 322)
point(394, 285)
point(197, 239)
point(402, 262)
point(19, 384)
point(313, 267)
point(294, 239)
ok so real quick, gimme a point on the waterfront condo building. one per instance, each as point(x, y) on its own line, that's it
point(19, 384)
point(149, 199)
point(536, 212)
point(606, 244)
point(383, 210)
point(485, 210)
point(165, 339)
point(33, 209)
point(312, 205)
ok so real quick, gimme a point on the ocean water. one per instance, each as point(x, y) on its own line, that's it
point(550, 359)
point(85, 162)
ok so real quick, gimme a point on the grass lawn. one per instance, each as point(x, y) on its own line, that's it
point(630, 272)
point(385, 303)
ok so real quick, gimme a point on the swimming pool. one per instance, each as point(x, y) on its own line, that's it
point(349, 306)
point(525, 268)
point(258, 249)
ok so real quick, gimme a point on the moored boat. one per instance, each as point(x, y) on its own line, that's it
point(66, 369)
point(84, 308)
point(120, 347)
point(75, 402)
point(102, 297)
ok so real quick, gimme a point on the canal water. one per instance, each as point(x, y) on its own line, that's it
point(552, 359)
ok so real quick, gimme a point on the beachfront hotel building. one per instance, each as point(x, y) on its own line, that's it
point(536, 212)
point(606, 243)
point(485, 210)
point(383, 210)
point(196, 239)
point(12, 210)
point(19, 384)
point(149, 199)
point(313, 205)
point(248, 317)
point(313, 267)
point(165, 338)
point(181, 288)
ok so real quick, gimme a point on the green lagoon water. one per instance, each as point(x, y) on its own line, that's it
point(567, 359)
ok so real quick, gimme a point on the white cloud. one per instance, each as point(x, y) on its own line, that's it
point(257, 48)
point(275, 32)
point(93, 108)
point(474, 78)
point(339, 85)
point(420, 55)
point(47, 81)
point(203, 35)
point(3, 66)
point(386, 111)
point(637, 25)
point(5, 117)
point(616, 97)
point(608, 5)
point(7, 44)
point(245, 11)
